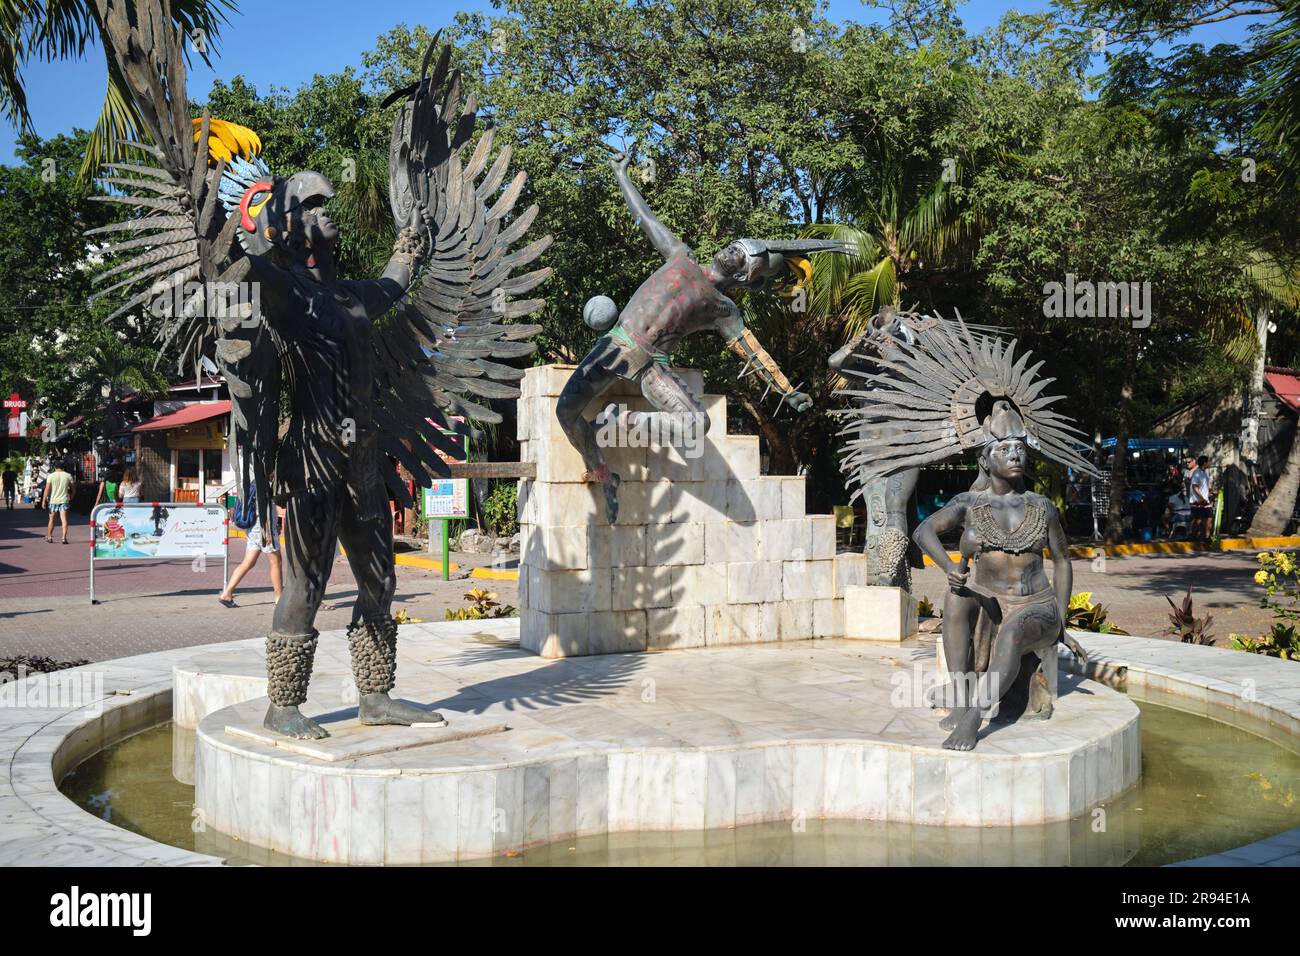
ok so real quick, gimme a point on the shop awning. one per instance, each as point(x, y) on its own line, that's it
point(1285, 384)
point(198, 412)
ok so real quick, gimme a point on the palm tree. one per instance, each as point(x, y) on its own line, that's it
point(903, 217)
point(111, 365)
point(62, 29)
point(1277, 52)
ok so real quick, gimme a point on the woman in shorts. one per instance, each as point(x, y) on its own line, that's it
point(258, 544)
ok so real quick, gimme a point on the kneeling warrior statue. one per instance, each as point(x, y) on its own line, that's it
point(372, 368)
point(681, 298)
point(956, 391)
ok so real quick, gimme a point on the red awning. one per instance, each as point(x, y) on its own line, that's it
point(198, 412)
point(1285, 384)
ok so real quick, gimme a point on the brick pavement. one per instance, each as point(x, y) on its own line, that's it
point(148, 606)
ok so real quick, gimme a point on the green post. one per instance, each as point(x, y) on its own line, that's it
point(446, 549)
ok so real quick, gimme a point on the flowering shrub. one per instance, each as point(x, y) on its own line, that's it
point(1083, 615)
point(483, 604)
point(1279, 576)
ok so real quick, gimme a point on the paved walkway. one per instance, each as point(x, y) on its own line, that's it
point(149, 606)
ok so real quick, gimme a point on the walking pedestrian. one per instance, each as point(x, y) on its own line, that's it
point(258, 544)
point(129, 490)
point(108, 486)
point(10, 480)
point(58, 497)
point(1202, 511)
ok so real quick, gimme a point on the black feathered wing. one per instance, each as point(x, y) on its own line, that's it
point(444, 350)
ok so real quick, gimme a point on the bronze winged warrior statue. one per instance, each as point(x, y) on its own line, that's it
point(238, 264)
point(948, 391)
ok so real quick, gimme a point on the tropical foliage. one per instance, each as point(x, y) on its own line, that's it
point(64, 29)
point(1082, 615)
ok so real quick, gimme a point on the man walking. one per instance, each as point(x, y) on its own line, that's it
point(1199, 485)
point(9, 478)
point(58, 496)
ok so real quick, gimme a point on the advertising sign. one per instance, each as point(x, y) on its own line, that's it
point(16, 410)
point(158, 530)
point(449, 497)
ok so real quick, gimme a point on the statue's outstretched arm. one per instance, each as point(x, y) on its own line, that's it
point(380, 295)
point(663, 238)
point(744, 343)
point(837, 360)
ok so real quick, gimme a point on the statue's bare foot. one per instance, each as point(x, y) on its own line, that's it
point(968, 727)
point(949, 722)
point(291, 722)
point(380, 709)
point(1043, 713)
point(610, 483)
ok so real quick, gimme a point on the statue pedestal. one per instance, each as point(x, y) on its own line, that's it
point(536, 752)
point(879, 614)
point(706, 551)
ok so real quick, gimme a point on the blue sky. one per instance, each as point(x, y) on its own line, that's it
point(283, 43)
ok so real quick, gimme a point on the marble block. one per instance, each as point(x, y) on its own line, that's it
point(698, 528)
point(349, 738)
point(879, 614)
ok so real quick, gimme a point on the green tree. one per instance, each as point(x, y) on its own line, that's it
point(57, 350)
point(733, 109)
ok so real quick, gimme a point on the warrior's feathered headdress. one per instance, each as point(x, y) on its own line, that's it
point(938, 396)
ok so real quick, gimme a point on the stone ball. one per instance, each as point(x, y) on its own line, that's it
point(600, 313)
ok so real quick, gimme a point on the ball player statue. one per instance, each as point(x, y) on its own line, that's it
point(372, 369)
point(681, 298)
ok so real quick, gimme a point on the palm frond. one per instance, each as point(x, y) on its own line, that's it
point(831, 273)
point(1274, 280)
point(63, 29)
point(118, 124)
point(865, 293)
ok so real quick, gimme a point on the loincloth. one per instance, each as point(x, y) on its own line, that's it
point(623, 354)
point(986, 629)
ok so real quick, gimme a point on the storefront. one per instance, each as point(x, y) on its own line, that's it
point(182, 453)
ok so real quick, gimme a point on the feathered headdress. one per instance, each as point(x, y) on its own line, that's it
point(946, 393)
